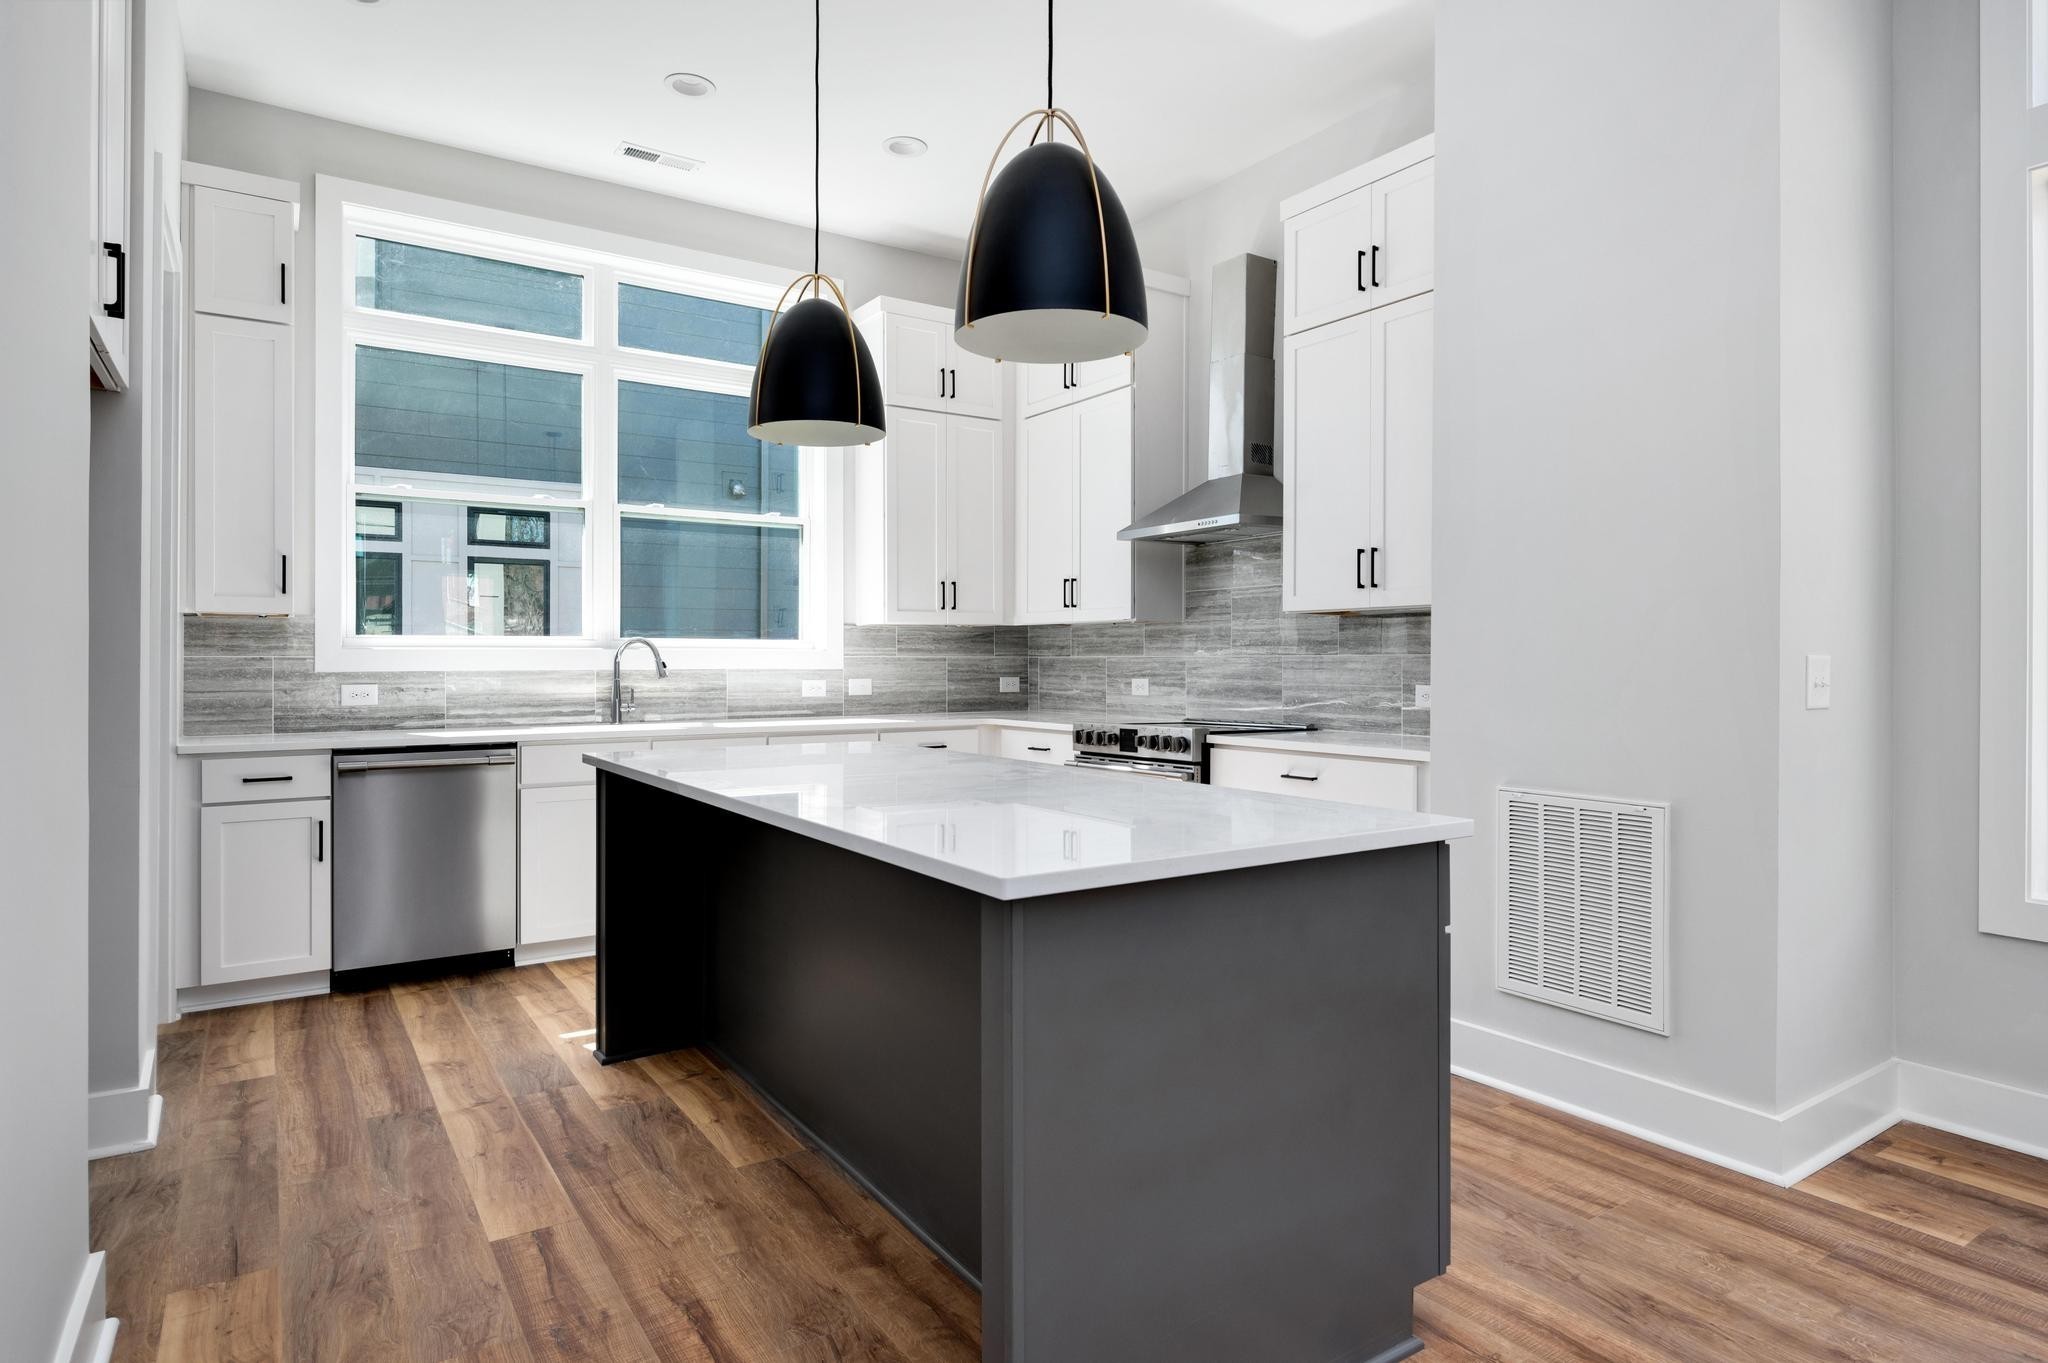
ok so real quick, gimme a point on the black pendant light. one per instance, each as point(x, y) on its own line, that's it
point(815, 382)
point(1052, 272)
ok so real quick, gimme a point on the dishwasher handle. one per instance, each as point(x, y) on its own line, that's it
point(496, 759)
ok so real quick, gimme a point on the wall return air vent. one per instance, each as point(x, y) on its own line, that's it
point(635, 151)
point(1582, 900)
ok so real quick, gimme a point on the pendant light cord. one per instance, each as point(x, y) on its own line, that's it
point(817, 132)
point(1050, 131)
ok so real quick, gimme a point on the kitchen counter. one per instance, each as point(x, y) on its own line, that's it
point(1015, 830)
point(1163, 1068)
point(1334, 743)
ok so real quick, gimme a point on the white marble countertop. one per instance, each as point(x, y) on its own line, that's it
point(1334, 743)
point(215, 745)
point(1014, 830)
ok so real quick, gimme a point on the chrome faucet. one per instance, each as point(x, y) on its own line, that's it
point(622, 698)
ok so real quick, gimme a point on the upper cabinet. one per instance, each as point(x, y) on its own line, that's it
point(923, 368)
point(930, 522)
point(1042, 387)
point(241, 264)
point(1356, 406)
point(1361, 241)
point(106, 252)
point(242, 476)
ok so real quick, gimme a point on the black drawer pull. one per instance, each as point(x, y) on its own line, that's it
point(262, 780)
point(1029, 748)
point(1290, 776)
point(931, 745)
point(119, 307)
point(280, 282)
point(321, 854)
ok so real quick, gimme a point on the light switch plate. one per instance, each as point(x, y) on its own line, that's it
point(1009, 686)
point(1422, 697)
point(1820, 681)
point(359, 694)
point(814, 689)
point(859, 686)
point(1141, 686)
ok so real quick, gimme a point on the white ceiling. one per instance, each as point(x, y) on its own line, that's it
point(1173, 95)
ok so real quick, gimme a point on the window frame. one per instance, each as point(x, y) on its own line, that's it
point(346, 209)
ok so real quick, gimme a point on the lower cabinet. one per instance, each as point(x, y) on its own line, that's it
point(953, 740)
point(557, 863)
point(265, 889)
point(1351, 780)
point(1036, 745)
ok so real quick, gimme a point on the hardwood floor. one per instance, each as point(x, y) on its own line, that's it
point(441, 1172)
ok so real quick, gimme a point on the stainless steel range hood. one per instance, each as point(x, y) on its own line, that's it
point(1241, 499)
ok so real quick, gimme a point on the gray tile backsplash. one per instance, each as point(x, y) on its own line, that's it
point(1236, 655)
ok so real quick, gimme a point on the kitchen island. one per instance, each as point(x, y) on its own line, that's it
point(1163, 1068)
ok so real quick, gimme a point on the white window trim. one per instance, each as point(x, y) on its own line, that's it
point(341, 208)
point(2012, 768)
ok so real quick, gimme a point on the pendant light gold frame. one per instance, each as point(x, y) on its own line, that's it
point(796, 286)
point(1047, 118)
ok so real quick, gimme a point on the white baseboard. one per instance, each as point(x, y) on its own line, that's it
point(1777, 1147)
point(567, 949)
point(87, 1336)
point(204, 997)
point(123, 1120)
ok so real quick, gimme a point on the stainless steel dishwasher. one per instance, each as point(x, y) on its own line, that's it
point(426, 862)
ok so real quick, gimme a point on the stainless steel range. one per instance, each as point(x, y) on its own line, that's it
point(1172, 751)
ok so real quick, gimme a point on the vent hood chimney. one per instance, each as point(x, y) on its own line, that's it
point(1241, 499)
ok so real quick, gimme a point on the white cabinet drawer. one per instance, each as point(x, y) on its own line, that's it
point(235, 780)
point(953, 740)
point(1352, 780)
point(862, 736)
point(1037, 745)
point(562, 764)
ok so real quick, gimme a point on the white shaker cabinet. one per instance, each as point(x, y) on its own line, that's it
point(241, 469)
point(1357, 394)
point(922, 367)
point(241, 255)
point(113, 282)
point(1074, 492)
point(1042, 387)
point(265, 889)
point(929, 522)
point(558, 862)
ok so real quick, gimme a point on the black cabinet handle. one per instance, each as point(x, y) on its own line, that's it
point(1375, 266)
point(1029, 748)
point(942, 593)
point(954, 390)
point(280, 281)
point(119, 307)
point(262, 780)
point(1358, 570)
point(284, 574)
point(1373, 577)
point(942, 380)
point(1359, 274)
point(1290, 776)
point(321, 853)
point(931, 745)
point(956, 596)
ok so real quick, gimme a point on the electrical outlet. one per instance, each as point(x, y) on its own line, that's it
point(1141, 686)
point(1820, 681)
point(860, 686)
point(359, 695)
point(1009, 686)
point(814, 689)
point(1422, 697)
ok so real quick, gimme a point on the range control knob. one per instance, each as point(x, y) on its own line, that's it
point(1182, 745)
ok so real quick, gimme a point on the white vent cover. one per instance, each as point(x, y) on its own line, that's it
point(633, 151)
point(1583, 904)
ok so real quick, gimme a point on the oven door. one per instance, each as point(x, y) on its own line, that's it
point(1138, 766)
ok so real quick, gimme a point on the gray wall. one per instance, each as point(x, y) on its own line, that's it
point(1607, 480)
point(1966, 1001)
point(43, 815)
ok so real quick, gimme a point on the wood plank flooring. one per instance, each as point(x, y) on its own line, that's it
point(441, 1173)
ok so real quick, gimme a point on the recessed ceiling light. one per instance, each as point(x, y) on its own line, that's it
point(905, 145)
point(691, 84)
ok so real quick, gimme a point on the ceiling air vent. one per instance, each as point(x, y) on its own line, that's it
point(633, 151)
point(1583, 904)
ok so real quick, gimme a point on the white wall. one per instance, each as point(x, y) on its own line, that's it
point(1967, 1001)
point(1242, 214)
point(44, 56)
point(1607, 480)
point(1835, 453)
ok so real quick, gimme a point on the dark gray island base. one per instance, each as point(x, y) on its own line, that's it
point(1202, 1119)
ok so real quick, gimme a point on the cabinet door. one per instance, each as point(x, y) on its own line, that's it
point(1046, 386)
point(1327, 483)
point(918, 352)
point(241, 255)
point(1046, 517)
point(917, 515)
point(1404, 229)
point(265, 891)
point(974, 521)
point(1328, 261)
point(1041, 387)
point(973, 384)
point(114, 282)
point(241, 466)
point(1402, 443)
point(557, 863)
point(1090, 377)
point(1102, 562)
